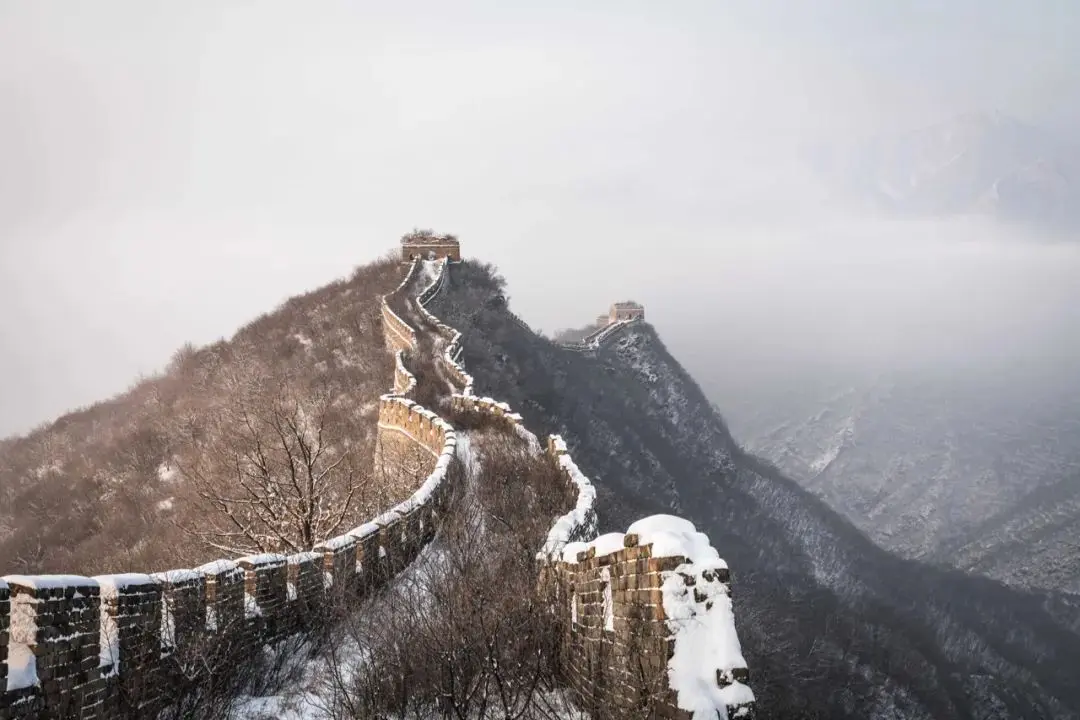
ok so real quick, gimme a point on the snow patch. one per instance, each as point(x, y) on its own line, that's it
point(218, 567)
point(609, 603)
point(251, 606)
point(264, 560)
point(672, 536)
point(21, 661)
point(174, 576)
point(50, 582)
point(580, 522)
point(166, 473)
point(608, 543)
point(167, 629)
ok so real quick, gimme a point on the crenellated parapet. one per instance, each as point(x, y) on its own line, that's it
point(404, 381)
point(423, 244)
point(397, 333)
point(648, 623)
point(646, 615)
point(580, 523)
point(108, 646)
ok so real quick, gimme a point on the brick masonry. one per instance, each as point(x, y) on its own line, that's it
point(145, 621)
point(422, 245)
point(615, 644)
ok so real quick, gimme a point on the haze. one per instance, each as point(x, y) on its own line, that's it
point(168, 171)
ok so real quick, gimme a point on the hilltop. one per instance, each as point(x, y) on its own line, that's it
point(831, 624)
point(471, 596)
point(102, 489)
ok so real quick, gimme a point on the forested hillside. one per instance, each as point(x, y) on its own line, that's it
point(120, 484)
point(832, 625)
point(977, 470)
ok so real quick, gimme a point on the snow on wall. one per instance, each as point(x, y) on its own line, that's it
point(257, 598)
point(621, 586)
point(682, 584)
point(404, 381)
point(706, 674)
point(451, 338)
point(21, 627)
point(580, 523)
point(597, 338)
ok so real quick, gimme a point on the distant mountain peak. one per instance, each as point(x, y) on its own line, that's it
point(982, 161)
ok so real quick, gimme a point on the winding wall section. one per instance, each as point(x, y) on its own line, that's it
point(647, 614)
point(107, 646)
point(633, 611)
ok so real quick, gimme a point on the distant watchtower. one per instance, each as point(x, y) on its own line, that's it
point(628, 310)
point(425, 244)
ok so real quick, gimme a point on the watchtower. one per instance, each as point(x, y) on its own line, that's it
point(628, 310)
point(425, 244)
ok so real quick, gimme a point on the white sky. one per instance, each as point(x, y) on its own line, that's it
point(169, 170)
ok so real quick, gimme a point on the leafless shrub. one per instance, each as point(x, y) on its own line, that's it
point(97, 491)
point(467, 632)
point(203, 678)
point(271, 468)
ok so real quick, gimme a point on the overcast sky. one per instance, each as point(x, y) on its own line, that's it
point(169, 170)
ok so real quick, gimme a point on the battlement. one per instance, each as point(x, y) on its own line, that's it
point(657, 597)
point(426, 245)
point(646, 614)
point(108, 646)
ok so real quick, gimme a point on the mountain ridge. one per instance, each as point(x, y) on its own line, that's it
point(832, 625)
point(979, 473)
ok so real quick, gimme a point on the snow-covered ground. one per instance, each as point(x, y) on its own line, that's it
point(309, 685)
point(305, 689)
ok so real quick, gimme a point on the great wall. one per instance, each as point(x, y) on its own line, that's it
point(647, 613)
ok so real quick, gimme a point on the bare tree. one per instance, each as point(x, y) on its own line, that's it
point(269, 467)
point(466, 633)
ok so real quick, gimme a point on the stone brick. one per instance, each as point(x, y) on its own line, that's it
point(265, 594)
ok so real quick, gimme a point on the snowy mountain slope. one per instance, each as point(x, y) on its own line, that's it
point(977, 471)
point(832, 626)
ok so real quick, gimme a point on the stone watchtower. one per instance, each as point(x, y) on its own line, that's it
point(628, 310)
point(425, 244)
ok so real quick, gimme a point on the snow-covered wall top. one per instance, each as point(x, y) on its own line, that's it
point(581, 522)
point(82, 643)
point(597, 338)
point(661, 571)
point(53, 628)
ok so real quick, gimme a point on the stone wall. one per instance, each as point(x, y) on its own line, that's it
point(615, 646)
point(397, 333)
point(623, 632)
point(101, 647)
point(404, 382)
point(106, 647)
point(635, 615)
point(420, 250)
